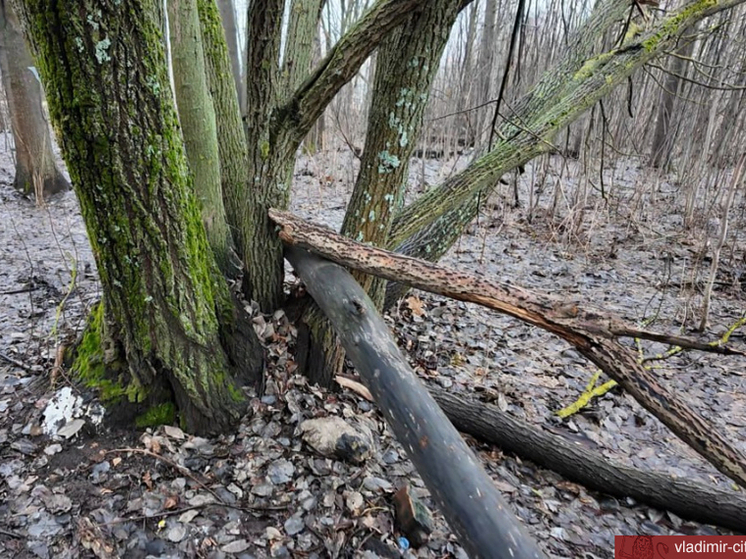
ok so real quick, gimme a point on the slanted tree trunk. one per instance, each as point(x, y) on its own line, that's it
point(36, 170)
point(428, 227)
point(183, 338)
point(464, 492)
point(406, 65)
point(198, 124)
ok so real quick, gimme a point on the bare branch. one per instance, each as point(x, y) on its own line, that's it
point(590, 332)
point(342, 63)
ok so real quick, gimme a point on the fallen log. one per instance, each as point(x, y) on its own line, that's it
point(459, 485)
point(685, 498)
point(591, 332)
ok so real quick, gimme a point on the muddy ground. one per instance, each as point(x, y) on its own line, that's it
point(261, 492)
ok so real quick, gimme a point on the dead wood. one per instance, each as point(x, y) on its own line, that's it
point(459, 485)
point(591, 332)
point(687, 499)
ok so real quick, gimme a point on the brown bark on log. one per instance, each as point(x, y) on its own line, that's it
point(464, 492)
point(591, 333)
point(687, 499)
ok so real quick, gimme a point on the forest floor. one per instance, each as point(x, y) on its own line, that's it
point(261, 492)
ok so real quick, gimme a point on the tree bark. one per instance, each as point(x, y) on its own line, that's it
point(227, 13)
point(232, 147)
point(36, 170)
point(198, 124)
point(406, 64)
point(431, 224)
point(464, 492)
point(177, 325)
point(591, 333)
point(687, 499)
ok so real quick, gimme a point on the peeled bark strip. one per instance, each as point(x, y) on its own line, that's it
point(591, 333)
point(453, 474)
point(687, 499)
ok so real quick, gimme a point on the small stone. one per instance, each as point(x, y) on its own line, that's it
point(294, 525)
point(176, 533)
point(237, 546)
point(281, 472)
point(53, 449)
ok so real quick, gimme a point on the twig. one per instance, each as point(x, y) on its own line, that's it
point(186, 471)
point(18, 364)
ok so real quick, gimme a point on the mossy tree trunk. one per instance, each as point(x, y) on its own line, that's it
point(232, 148)
point(279, 115)
point(199, 126)
point(428, 227)
point(36, 170)
point(179, 330)
point(406, 65)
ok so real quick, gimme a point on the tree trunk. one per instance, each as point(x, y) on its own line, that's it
point(693, 501)
point(664, 138)
point(232, 148)
point(464, 492)
point(406, 65)
point(36, 170)
point(174, 318)
point(485, 64)
point(227, 13)
point(198, 124)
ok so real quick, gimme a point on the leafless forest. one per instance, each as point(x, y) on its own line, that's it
point(637, 209)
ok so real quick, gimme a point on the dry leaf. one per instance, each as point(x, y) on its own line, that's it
point(355, 386)
point(416, 305)
point(171, 502)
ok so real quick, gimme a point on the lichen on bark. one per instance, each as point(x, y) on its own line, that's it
point(114, 116)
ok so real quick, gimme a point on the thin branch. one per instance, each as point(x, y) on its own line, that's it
point(727, 87)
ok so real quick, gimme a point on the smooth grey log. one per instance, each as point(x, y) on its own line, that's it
point(459, 485)
point(687, 499)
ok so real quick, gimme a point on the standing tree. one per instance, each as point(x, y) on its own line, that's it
point(36, 170)
point(174, 335)
point(169, 312)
